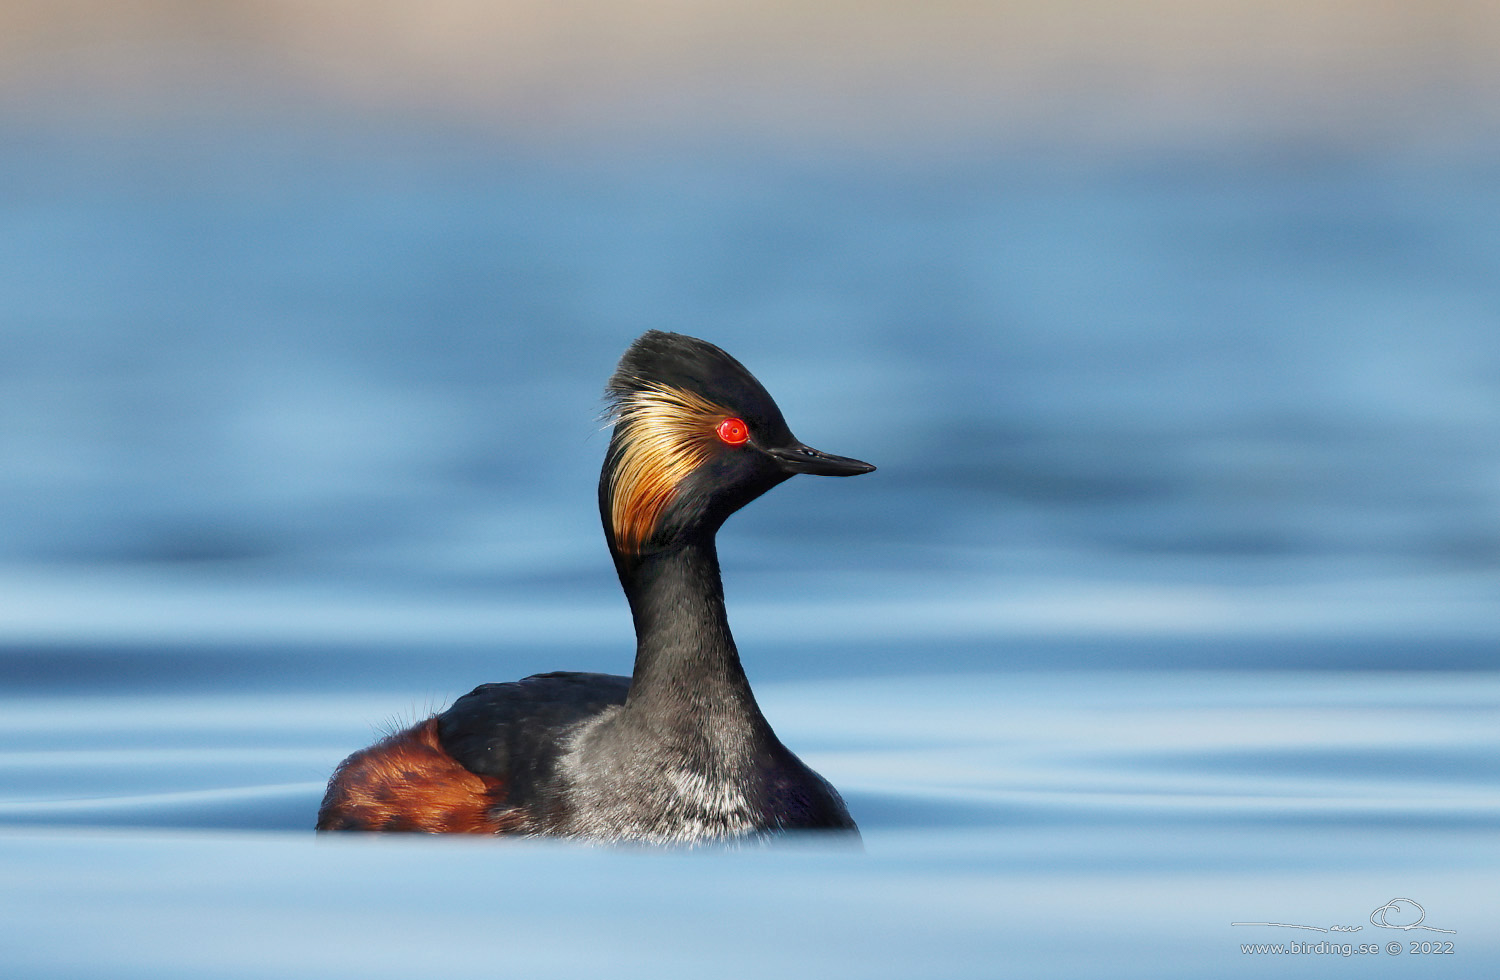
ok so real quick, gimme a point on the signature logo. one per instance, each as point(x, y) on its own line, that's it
point(1399, 907)
point(1396, 914)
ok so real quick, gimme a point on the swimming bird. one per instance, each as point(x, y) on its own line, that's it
point(678, 752)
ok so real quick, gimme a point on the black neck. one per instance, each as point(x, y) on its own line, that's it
point(688, 681)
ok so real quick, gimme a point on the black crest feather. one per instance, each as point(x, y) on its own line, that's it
point(674, 360)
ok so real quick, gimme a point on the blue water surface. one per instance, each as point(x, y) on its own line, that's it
point(1173, 603)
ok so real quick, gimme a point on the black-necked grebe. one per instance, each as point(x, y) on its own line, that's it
point(677, 752)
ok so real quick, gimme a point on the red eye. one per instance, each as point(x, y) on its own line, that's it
point(734, 432)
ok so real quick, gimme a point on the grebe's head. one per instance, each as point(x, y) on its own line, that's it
point(696, 438)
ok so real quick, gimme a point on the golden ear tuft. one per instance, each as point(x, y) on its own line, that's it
point(664, 434)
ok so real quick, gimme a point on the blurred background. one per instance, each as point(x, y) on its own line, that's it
point(1171, 325)
point(1157, 316)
